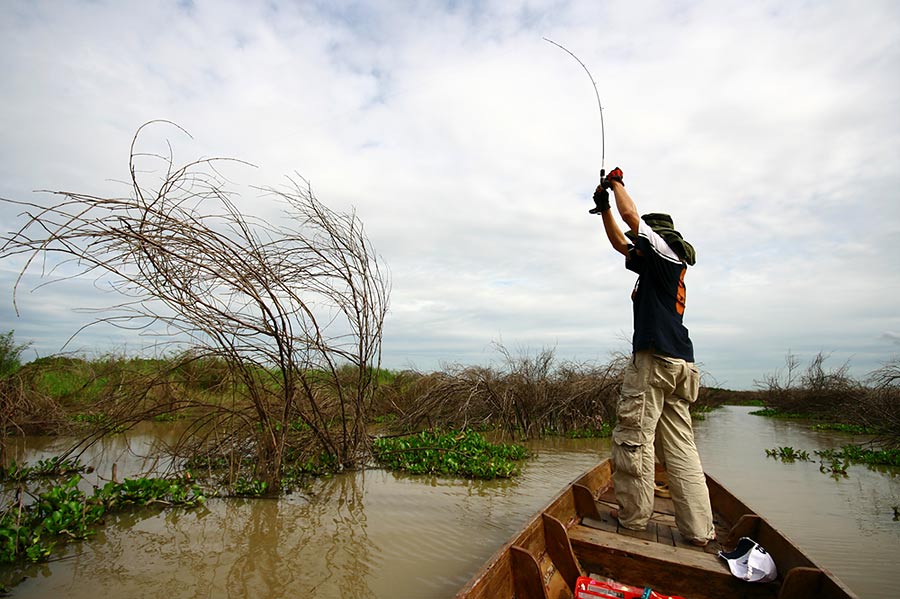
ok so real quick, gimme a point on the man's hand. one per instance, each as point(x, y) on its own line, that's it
point(614, 175)
point(601, 199)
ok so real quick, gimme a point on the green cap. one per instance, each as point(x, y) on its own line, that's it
point(665, 228)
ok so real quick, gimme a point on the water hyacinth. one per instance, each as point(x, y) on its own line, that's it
point(31, 532)
point(467, 454)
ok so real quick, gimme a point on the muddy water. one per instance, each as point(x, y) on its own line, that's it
point(376, 534)
point(846, 525)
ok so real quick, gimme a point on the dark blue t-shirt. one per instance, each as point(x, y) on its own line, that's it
point(658, 297)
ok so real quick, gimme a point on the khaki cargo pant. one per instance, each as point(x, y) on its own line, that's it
point(653, 420)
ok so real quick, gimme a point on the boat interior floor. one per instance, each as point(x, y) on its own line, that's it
point(660, 554)
point(661, 529)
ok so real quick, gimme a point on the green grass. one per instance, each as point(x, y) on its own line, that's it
point(63, 384)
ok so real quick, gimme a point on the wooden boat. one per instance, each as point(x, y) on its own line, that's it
point(575, 535)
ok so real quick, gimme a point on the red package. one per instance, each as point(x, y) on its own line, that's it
point(588, 588)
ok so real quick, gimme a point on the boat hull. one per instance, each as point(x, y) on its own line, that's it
point(575, 535)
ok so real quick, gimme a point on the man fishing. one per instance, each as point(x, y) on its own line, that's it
point(661, 380)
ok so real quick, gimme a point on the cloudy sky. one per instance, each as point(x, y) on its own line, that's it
point(470, 147)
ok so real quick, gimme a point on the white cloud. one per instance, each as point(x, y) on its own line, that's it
point(470, 147)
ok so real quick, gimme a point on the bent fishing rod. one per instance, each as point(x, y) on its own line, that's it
point(599, 105)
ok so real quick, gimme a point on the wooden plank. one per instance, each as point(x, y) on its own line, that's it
point(813, 582)
point(584, 502)
point(563, 508)
point(492, 582)
point(746, 526)
point(722, 527)
point(532, 538)
point(527, 579)
point(559, 548)
point(665, 535)
point(666, 569)
point(663, 519)
point(554, 584)
point(801, 582)
point(786, 553)
point(724, 503)
point(783, 551)
point(679, 540)
point(605, 522)
point(663, 505)
point(645, 535)
point(599, 477)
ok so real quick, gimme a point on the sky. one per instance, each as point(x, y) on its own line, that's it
point(470, 147)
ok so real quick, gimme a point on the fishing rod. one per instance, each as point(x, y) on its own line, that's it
point(599, 105)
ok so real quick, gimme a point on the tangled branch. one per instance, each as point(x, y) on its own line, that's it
point(286, 307)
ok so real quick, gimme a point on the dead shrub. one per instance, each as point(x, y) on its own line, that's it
point(817, 392)
point(527, 396)
point(879, 411)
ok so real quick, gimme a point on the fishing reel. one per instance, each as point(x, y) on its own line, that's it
point(597, 209)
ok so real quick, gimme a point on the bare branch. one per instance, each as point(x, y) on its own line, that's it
point(280, 304)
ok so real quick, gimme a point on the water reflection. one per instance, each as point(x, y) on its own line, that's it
point(377, 534)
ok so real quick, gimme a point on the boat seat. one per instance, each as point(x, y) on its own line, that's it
point(661, 566)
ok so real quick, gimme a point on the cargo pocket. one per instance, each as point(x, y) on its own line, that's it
point(630, 409)
point(689, 387)
point(666, 373)
point(628, 436)
point(628, 451)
